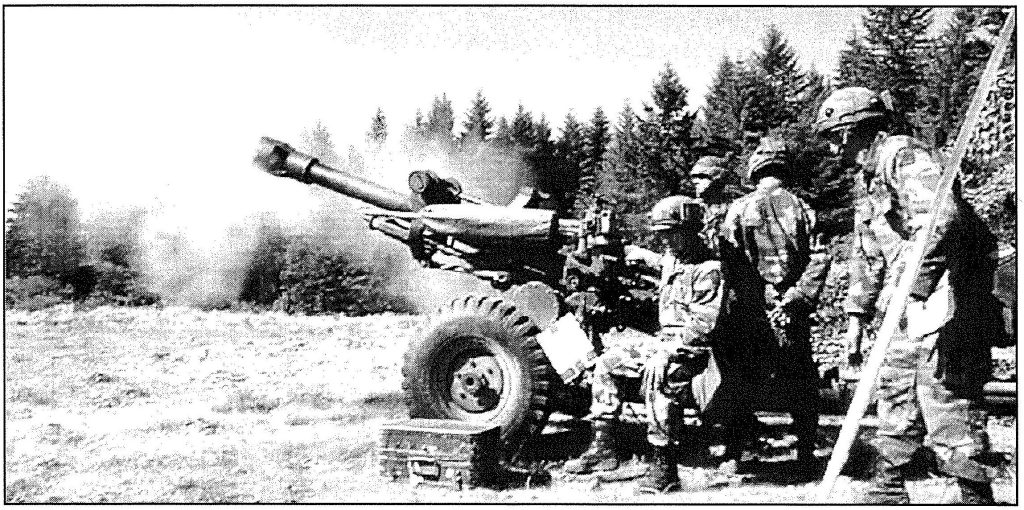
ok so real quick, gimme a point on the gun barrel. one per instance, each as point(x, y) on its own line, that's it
point(280, 159)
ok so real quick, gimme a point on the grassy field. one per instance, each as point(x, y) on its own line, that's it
point(178, 405)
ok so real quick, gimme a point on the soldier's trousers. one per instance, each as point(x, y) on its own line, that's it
point(667, 385)
point(916, 409)
point(797, 375)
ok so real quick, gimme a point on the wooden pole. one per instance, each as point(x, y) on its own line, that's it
point(897, 305)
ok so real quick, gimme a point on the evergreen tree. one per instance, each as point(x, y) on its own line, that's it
point(627, 187)
point(503, 133)
point(956, 63)
point(724, 103)
point(626, 147)
point(898, 40)
point(413, 137)
point(440, 122)
point(421, 122)
point(378, 132)
point(596, 136)
point(773, 85)
point(356, 162)
point(43, 235)
point(477, 126)
point(817, 89)
point(666, 135)
point(317, 143)
point(522, 129)
point(570, 153)
point(541, 159)
point(854, 63)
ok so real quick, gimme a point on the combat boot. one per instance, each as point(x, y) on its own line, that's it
point(600, 456)
point(975, 493)
point(888, 486)
point(662, 472)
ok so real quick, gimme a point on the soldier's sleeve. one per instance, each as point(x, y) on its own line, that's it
point(948, 235)
point(812, 280)
point(866, 266)
point(730, 234)
point(701, 313)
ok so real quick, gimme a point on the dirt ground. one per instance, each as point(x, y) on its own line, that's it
point(178, 405)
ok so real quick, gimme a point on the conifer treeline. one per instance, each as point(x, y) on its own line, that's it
point(638, 156)
point(647, 154)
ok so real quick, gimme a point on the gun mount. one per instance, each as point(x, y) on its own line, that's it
point(507, 360)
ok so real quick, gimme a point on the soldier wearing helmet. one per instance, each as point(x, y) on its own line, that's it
point(675, 369)
point(938, 361)
point(740, 360)
point(775, 263)
point(709, 176)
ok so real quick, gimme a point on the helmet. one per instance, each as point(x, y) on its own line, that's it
point(712, 167)
point(771, 152)
point(677, 212)
point(848, 106)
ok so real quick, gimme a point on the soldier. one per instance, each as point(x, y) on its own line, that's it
point(708, 176)
point(741, 359)
point(775, 264)
point(931, 381)
point(675, 370)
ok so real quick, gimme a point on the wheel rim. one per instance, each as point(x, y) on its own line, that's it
point(478, 380)
point(477, 383)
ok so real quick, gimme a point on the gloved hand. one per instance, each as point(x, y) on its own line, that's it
point(635, 255)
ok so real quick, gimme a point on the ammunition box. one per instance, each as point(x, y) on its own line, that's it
point(450, 453)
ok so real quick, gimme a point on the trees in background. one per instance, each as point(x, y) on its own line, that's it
point(377, 135)
point(723, 104)
point(897, 38)
point(478, 124)
point(44, 250)
point(772, 83)
point(570, 154)
point(634, 159)
point(43, 233)
point(596, 137)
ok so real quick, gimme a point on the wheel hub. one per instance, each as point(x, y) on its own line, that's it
point(477, 384)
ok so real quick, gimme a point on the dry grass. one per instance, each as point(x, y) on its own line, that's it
point(175, 405)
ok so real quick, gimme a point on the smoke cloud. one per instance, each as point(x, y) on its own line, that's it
point(193, 241)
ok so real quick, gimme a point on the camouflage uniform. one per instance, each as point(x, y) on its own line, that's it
point(714, 217)
point(930, 386)
point(771, 257)
point(675, 370)
point(738, 355)
point(715, 198)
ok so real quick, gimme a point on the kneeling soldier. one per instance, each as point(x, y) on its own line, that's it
point(677, 369)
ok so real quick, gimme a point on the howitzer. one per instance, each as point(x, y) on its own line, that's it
point(507, 360)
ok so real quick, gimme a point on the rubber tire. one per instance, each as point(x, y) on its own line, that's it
point(523, 410)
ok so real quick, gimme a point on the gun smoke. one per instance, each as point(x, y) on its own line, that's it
point(196, 246)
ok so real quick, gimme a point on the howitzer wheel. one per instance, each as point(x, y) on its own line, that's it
point(480, 362)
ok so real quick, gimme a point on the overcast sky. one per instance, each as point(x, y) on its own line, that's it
point(138, 104)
